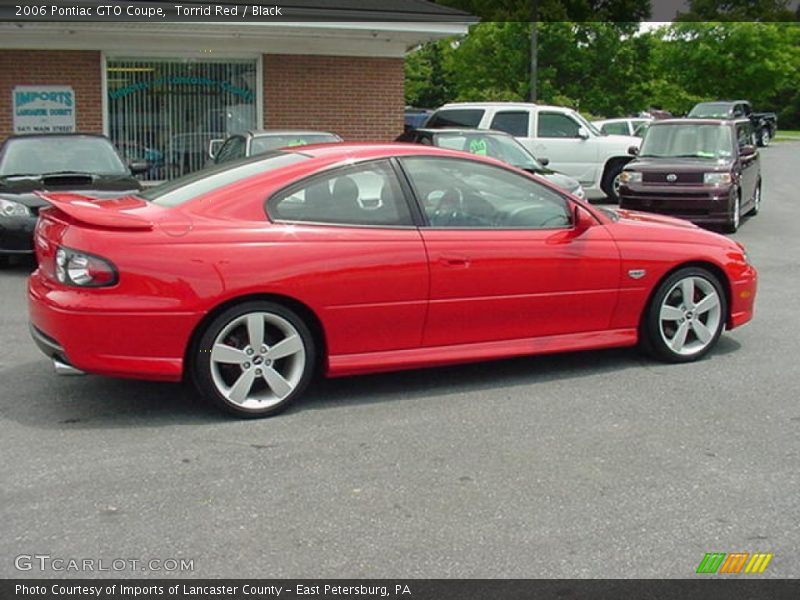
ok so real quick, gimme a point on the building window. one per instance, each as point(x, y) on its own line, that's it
point(166, 112)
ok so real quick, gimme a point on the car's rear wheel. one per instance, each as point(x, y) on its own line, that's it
point(756, 201)
point(611, 180)
point(765, 137)
point(735, 212)
point(685, 317)
point(254, 359)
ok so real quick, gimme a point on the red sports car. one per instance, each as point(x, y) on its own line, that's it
point(251, 278)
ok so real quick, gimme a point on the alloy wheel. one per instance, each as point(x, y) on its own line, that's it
point(257, 360)
point(690, 316)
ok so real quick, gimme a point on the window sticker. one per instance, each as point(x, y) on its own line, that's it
point(479, 146)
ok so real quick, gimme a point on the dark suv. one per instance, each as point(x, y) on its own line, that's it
point(704, 170)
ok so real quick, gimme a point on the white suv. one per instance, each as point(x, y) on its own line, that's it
point(561, 135)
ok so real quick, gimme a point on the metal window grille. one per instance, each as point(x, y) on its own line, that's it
point(166, 112)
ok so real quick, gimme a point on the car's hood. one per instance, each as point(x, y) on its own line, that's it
point(24, 189)
point(565, 182)
point(678, 165)
point(622, 142)
point(633, 216)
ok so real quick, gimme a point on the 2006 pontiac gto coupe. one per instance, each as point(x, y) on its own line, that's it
point(352, 258)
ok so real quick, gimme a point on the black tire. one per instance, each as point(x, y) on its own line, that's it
point(262, 400)
point(756, 202)
point(612, 172)
point(653, 340)
point(732, 226)
point(764, 137)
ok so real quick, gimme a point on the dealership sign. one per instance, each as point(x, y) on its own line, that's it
point(44, 109)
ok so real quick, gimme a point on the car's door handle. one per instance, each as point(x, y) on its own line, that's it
point(453, 261)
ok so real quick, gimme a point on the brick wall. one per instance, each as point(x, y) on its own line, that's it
point(360, 98)
point(79, 69)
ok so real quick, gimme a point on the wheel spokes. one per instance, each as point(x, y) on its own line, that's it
point(708, 303)
point(287, 347)
point(671, 313)
point(222, 353)
point(255, 330)
point(679, 339)
point(687, 291)
point(702, 332)
point(279, 386)
point(241, 389)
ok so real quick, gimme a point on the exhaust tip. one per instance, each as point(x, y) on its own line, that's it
point(65, 369)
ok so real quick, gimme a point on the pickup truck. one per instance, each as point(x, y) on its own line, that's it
point(570, 143)
point(765, 124)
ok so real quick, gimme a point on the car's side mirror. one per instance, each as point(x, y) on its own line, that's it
point(747, 150)
point(543, 161)
point(583, 133)
point(137, 167)
point(213, 148)
point(581, 219)
point(633, 150)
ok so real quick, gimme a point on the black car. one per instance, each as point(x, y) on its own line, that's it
point(495, 144)
point(765, 124)
point(88, 164)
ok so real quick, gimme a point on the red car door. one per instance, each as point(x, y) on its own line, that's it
point(505, 261)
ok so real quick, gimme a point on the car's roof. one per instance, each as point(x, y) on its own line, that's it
point(277, 132)
point(358, 151)
point(518, 105)
point(23, 136)
point(461, 130)
point(722, 102)
point(696, 121)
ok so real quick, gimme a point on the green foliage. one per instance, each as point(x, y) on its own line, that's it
point(607, 69)
point(738, 10)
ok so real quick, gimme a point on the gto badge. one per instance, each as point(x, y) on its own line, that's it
point(637, 273)
point(672, 178)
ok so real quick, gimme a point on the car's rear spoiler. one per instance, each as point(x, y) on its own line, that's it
point(110, 214)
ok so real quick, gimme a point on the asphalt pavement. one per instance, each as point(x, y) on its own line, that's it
point(595, 464)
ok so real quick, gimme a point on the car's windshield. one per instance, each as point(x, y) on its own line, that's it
point(496, 146)
point(267, 143)
point(580, 118)
point(183, 189)
point(711, 110)
point(65, 154)
point(690, 140)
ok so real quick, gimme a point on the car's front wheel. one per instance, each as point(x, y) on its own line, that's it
point(685, 317)
point(254, 359)
point(765, 137)
point(732, 225)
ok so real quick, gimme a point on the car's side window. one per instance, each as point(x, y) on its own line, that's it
point(620, 128)
point(512, 122)
point(367, 194)
point(458, 193)
point(744, 134)
point(231, 150)
point(556, 125)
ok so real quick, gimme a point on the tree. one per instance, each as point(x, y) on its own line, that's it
point(738, 10)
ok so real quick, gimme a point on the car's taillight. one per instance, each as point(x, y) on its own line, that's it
point(83, 270)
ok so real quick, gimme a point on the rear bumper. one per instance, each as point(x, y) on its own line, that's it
point(16, 235)
point(699, 204)
point(138, 345)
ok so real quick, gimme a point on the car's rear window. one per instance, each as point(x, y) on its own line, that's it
point(456, 117)
point(263, 144)
point(183, 189)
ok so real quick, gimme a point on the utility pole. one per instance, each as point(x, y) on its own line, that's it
point(534, 48)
